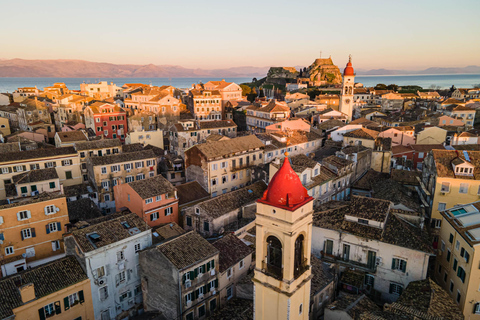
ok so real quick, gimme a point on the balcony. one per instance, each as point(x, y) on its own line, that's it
point(272, 271)
point(368, 267)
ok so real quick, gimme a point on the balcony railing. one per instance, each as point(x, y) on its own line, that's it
point(346, 261)
point(273, 271)
point(299, 270)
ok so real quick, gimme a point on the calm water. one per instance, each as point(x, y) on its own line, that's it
point(425, 81)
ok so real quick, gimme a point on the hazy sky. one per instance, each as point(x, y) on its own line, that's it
point(407, 34)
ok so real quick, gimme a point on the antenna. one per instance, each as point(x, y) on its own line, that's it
point(320, 54)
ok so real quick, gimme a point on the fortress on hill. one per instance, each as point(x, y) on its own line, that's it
point(320, 72)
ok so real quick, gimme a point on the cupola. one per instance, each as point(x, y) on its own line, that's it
point(285, 190)
point(348, 71)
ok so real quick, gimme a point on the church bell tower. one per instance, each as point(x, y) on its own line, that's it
point(283, 247)
point(346, 98)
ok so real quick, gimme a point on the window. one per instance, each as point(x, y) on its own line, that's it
point(9, 250)
point(106, 197)
point(140, 176)
point(104, 170)
point(214, 166)
point(396, 288)
point(229, 292)
point(168, 211)
point(214, 181)
point(149, 200)
point(455, 264)
point(68, 162)
point(100, 271)
point(138, 247)
point(229, 273)
point(72, 299)
point(399, 264)
point(139, 164)
point(68, 175)
point(459, 296)
point(52, 185)
point(328, 247)
point(129, 179)
point(26, 233)
point(206, 226)
point(49, 310)
point(154, 216)
point(442, 246)
point(115, 168)
point(224, 179)
point(476, 308)
point(300, 308)
point(189, 221)
point(461, 274)
point(463, 188)
point(53, 227)
point(23, 215)
point(224, 164)
point(241, 264)
point(445, 187)
point(23, 190)
point(442, 206)
point(450, 239)
point(457, 245)
point(201, 310)
point(120, 255)
point(47, 165)
point(449, 253)
point(120, 278)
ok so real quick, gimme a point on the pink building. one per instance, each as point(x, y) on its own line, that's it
point(72, 127)
point(153, 199)
point(294, 125)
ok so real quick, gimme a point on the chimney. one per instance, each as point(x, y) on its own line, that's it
point(27, 292)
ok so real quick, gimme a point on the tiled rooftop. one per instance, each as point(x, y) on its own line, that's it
point(122, 157)
point(37, 154)
point(187, 250)
point(109, 229)
point(47, 279)
point(97, 144)
point(152, 187)
point(231, 251)
point(234, 200)
point(223, 148)
point(191, 192)
point(35, 176)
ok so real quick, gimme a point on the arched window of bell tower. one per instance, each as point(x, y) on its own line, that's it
point(299, 259)
point(274, 257)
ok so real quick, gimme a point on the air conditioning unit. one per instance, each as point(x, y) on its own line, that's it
point(379, 260)
point(102, 281)
point(442, 193)
point(35, 193)
point(128, 170)
point(188, 284)
point(1, 241)
point(24, 255)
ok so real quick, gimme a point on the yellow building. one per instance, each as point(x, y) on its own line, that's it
point(283, 247)
point(206, 104)
point(65, 161)
point(5, 126)
point(431, 135)
point(31, 231)
point(59, 290)
point(449, 178)
point(459, 257)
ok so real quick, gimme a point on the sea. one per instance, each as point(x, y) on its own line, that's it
point(424, 81)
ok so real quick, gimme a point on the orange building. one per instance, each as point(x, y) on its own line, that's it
point(154, 200)
point(31, 231)
point(59, 290)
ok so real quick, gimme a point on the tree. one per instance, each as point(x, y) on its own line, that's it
point(254, 80)
point(246, 90)
point(381, 86)
point(392, 87)
point(452, 88)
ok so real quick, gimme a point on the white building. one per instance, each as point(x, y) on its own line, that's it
point(366, 234)
point(337, 135)
point(112, 264)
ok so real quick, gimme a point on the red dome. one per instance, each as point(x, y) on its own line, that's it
point(285, 188)
point(348, 71)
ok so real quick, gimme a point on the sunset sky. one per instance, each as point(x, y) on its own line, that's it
point(218, 34)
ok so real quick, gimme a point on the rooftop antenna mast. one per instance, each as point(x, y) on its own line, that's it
point(320, 54)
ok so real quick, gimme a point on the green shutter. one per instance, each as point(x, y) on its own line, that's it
point(184, 278)
point(213, 264)
point(203, 268)
point(205, 289)
point(216, 283)
point(66, 303)
point(80, 295)
point(197, 293)
point(391, 288)
point(393, 264)
point(58, 307)
point(455, 265)
point(41, 313)
point(195, 272)
point(208, 266)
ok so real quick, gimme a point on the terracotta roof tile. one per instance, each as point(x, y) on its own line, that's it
point(231, 251)
point(187, 250)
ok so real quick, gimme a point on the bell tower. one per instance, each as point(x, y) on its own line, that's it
point(346, 98)
point(283, 247)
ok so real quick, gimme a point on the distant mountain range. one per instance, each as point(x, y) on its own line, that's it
point(86, 69)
